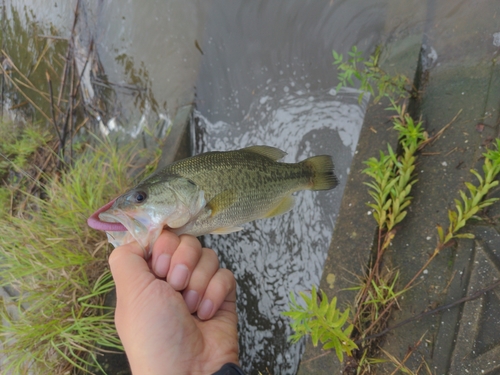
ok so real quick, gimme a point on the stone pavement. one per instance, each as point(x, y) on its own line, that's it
point(460, 73)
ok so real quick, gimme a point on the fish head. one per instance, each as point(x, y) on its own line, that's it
point(150, 207)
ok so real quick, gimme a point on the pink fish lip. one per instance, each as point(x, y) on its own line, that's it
point(94, 222)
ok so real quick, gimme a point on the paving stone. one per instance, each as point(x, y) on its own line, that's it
point(476, 348)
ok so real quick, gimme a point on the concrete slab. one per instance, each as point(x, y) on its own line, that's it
point(469, 83)
point(442, 169)
point(462, 73)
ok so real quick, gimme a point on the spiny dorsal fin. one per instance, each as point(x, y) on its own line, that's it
point(222, 201)
point(272, 153)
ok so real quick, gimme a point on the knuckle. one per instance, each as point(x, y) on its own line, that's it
point(226, 280)
point(190, 241)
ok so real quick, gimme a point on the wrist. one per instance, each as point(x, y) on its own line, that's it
point(230, 369)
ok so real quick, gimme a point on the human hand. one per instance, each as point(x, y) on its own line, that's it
point(155, 312)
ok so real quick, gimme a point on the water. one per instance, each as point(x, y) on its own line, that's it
point(266, 77)
point(273, 257)
point(145, 54)
point(262, 75)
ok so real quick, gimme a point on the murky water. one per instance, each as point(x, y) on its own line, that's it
point(266, 77)
point(273, 257)
point(142, 59)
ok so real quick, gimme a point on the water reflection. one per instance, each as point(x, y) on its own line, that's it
point(272, 257)
point(27, 57)
point(149, 46)
point(143, 64)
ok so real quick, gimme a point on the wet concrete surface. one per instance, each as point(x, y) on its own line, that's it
point(461, 75)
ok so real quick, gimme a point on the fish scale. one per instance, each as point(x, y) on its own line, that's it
point(260, 183)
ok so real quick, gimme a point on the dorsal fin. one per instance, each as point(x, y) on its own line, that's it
point(272, 153)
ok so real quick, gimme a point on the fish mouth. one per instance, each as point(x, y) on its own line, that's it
point(122, 228)
point(95, 222)
point(116, 216)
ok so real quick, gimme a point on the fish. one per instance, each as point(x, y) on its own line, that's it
point(211, 193)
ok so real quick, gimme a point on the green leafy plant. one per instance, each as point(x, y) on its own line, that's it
point(382, 293)
point(392, 179)
point(471, 203)
point(465, 210)
point(392, 174)
point(323, 321)
point(19, 147)
point(372, 79)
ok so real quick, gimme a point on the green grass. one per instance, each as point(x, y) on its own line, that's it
point(54, 264)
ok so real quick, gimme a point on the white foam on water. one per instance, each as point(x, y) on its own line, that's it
point(272, 257)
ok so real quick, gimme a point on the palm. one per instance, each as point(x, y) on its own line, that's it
point(179, 337)
point(219, 336)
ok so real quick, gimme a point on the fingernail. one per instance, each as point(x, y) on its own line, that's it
point(205, 309)
point(179, 277)
point(162, 265)
point(191, 297)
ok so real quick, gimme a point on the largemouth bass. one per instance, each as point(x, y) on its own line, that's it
point(214, 192)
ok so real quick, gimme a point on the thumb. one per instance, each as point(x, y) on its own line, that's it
point(130, 270)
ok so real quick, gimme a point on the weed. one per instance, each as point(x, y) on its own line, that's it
point(371, 77)
point(55, 267)
point(391, 182)
point(323, 321)
point(470, 205)
point(390, 187)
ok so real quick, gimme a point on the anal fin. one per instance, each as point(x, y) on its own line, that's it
point(284, 206)
point(226, 230)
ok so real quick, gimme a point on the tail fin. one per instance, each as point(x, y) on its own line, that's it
point(322, 168)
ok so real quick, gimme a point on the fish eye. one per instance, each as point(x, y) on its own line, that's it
point(139, 197)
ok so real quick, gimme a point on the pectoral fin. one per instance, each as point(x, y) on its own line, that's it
point(226, 230)
point(284, 206)
point(222, 201)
